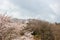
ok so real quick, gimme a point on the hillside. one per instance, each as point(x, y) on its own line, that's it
point(28, 29)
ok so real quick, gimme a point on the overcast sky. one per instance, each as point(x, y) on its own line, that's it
point(41, 9)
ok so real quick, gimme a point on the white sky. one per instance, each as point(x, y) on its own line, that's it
point(41, 9)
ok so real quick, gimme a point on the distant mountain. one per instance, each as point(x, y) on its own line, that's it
point(19, 20)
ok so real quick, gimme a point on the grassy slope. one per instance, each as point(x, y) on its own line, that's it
point(41, 30)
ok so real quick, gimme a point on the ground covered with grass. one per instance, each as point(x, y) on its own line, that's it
point(30, 29)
